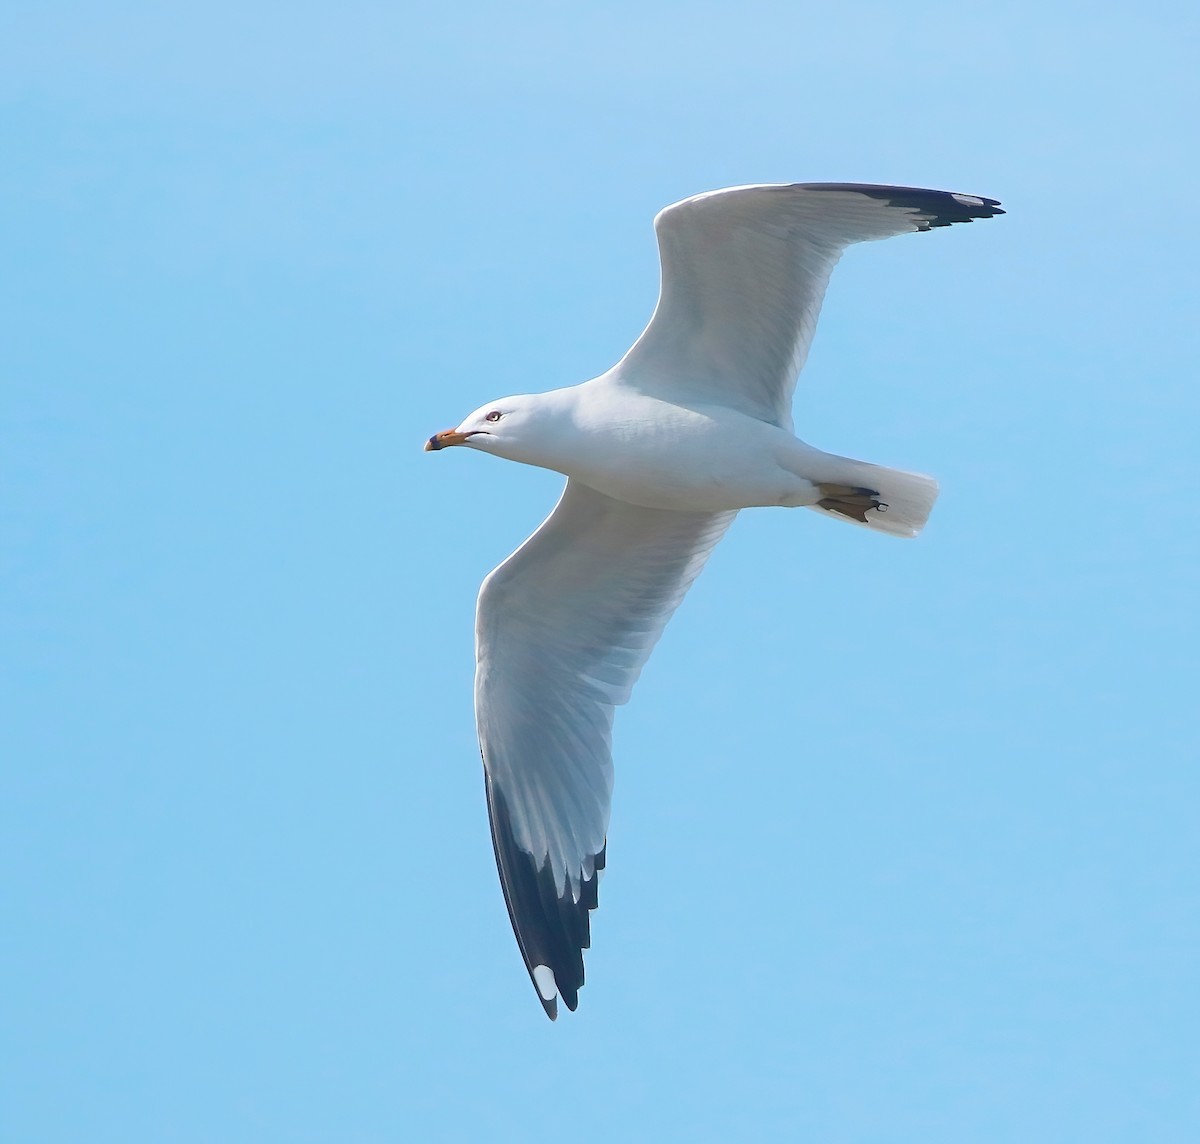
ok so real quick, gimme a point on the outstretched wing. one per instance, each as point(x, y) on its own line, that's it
point(744, 272)
point(563, 628)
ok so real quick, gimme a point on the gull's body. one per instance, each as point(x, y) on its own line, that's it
point(692, 425)
point(701, 458)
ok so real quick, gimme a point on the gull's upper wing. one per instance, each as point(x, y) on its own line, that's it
point(562, 630)
point(744, 271)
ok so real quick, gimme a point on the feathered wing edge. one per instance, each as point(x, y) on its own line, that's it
point(934, 208)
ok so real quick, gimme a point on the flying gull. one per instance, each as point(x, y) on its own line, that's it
point(660, 453)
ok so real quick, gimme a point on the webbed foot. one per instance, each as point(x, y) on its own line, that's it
point(850, 501)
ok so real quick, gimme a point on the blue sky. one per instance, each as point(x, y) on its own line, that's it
point(903, 845)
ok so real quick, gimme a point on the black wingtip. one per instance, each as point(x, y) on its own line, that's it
point(935, 208)
point(552, 928)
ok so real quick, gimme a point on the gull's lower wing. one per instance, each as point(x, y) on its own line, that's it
point(744, 272)
point(563, 628)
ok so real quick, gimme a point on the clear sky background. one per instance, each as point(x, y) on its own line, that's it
point(904, 842)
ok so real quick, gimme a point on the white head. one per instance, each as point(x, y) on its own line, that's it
point(527, 428)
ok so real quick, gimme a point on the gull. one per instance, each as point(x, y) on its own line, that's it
point(692, 425)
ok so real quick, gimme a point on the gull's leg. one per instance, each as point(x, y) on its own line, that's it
point(873, 496)
point(850, 500)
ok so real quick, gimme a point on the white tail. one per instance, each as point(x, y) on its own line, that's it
point(908, 497)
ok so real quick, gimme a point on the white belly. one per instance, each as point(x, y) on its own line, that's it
point(665, 456)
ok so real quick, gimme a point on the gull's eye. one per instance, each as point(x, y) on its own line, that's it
point(495, 415)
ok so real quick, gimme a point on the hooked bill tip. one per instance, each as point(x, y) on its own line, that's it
point(433, 444)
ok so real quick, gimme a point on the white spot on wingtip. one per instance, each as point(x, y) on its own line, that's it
point(543, 978)
point(968, 200)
